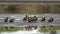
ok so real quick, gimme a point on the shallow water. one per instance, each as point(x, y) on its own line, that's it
point(28, 32)
point(33, 31)
point(24, 32)
point(19, 19)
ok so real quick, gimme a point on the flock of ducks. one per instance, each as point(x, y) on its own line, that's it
point(11, 20)
point(34, 19)
point(29, 19)
point(49, 20)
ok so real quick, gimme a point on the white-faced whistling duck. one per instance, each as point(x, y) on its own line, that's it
point(43, 19)
point(25, 18)
point(12, 20)
point(6, 19)
point(50, 19)
point(30, 19)
point(34, 18)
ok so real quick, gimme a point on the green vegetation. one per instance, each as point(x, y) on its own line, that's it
point(48, 28)
point(2, 29)
point(30, 8)
point(41, 28)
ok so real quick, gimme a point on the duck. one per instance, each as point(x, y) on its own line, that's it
point(34, 18)
point(50, 19)
point(12, 20)
point(25, 18)
point(43, 18)
point(6, 19)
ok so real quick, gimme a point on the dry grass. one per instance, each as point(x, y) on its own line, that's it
point(32, 9)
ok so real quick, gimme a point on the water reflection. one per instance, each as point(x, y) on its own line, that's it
point(49, 30)
point(28, 32)
point(24, 32)
point(33, 31)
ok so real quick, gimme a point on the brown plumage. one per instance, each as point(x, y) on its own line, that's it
point(43, 19)
point(12, 20)
point(34, 18)
point(25, 18)
point(6, 19)
point(50, 19)
point(29, 19)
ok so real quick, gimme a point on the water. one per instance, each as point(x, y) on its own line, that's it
point(28, 32)
point(19, 17)
point(24, 32)
point(33, 31)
